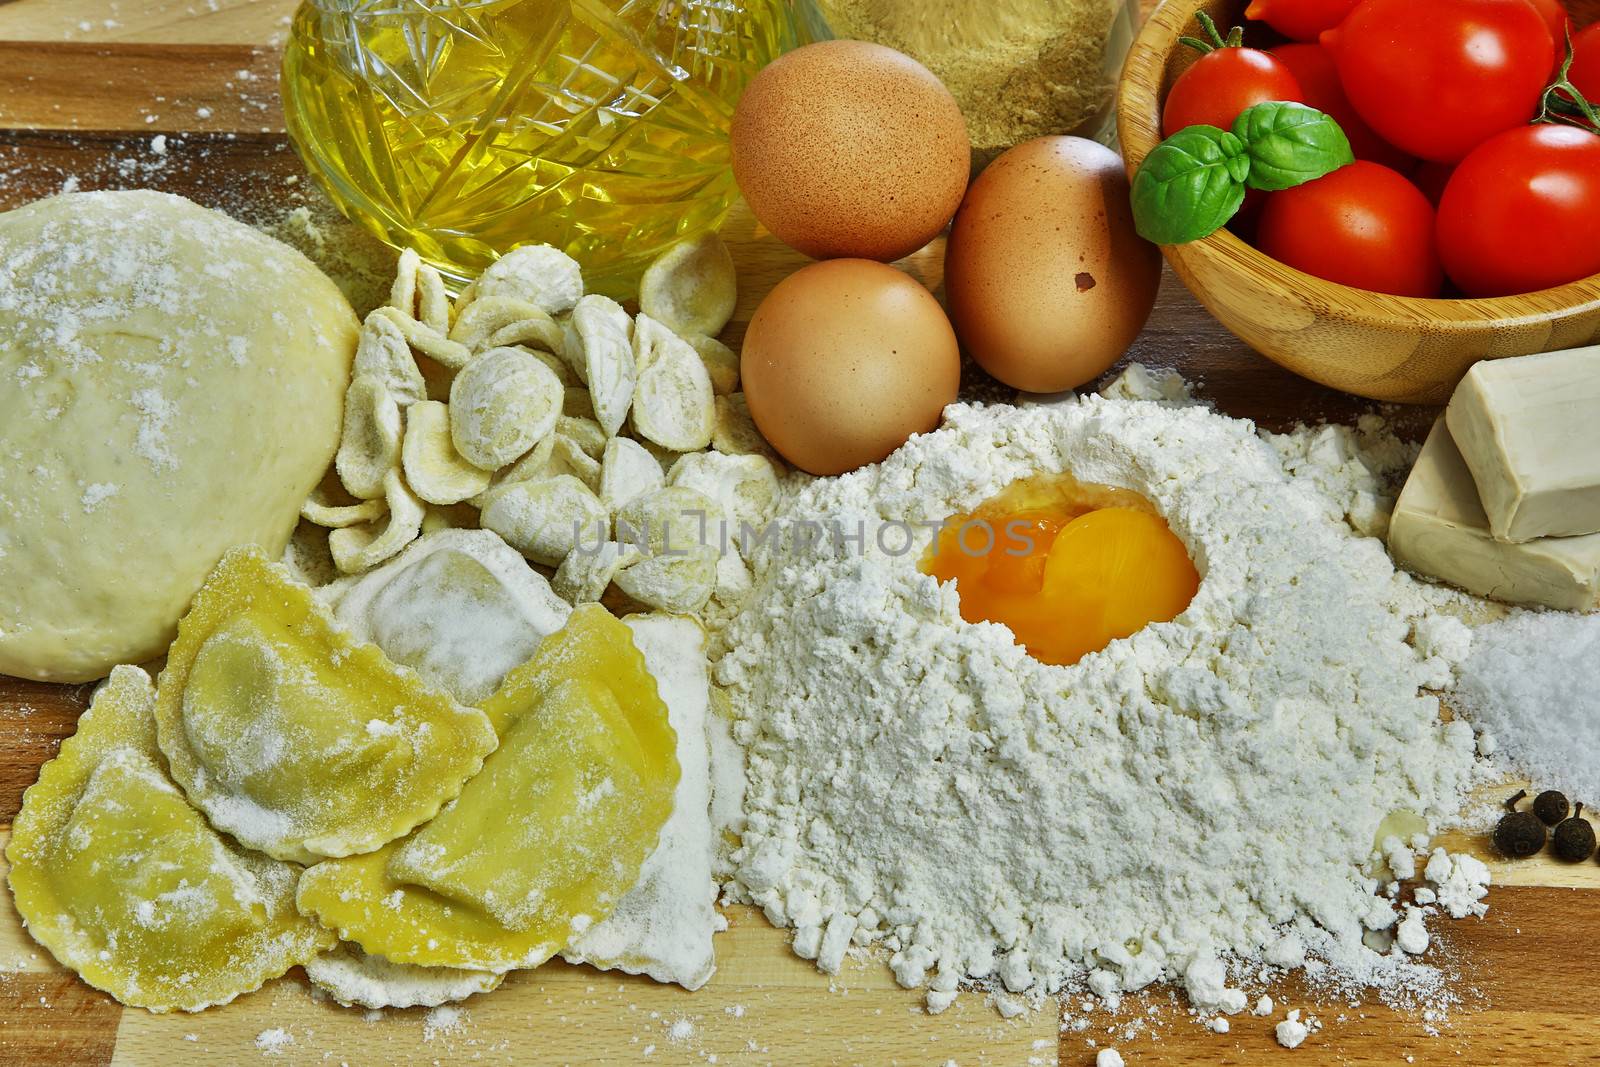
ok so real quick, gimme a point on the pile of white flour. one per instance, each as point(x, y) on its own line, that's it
point(1210, 787)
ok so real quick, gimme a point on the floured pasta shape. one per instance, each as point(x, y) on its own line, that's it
point(501, 405)
point(357, 980)
point(530, 468)
point(419, 291)
point(583, 432)
point(627, 472)
point(460, 607)
point(545, 519)
point(600, 348)
point(425, 339)
point(569, 457)
point(383, 355)
point(293, 736)
point(673, 403)
point(546, 840)
point(485, 319)
point(721, 362)
point(434, 470)
point(317, 509)
point(679, 532)
point(746, 487)
point(360, 548)
point(542, 275)
point(126, 884)
point(735, 431)
point(588, 571)
point(369, 447)
point(692, 287)
point(663, 927)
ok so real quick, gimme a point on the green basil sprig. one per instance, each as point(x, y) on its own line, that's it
point(1290, 144)
point(1192, 183)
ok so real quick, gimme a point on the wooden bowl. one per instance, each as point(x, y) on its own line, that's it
point(1395, 348)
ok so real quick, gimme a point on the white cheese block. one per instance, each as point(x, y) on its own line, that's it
point(1529, 430)
point(1439, 530)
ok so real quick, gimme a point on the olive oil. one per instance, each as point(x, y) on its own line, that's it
point(464, 128)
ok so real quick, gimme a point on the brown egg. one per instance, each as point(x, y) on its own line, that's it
point(845, 148)
point(1046, 281)
point(846, 359)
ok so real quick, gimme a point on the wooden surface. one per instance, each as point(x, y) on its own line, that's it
point(85, 107)
point(1386, 347)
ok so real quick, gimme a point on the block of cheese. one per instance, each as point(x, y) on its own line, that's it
point(1439, 530)
point(1529, 430)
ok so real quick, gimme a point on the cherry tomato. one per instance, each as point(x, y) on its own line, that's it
point(1223, 83)
point(1313, 67)
point(1585, 72)
point(1556, 17)
point(1437, 78)
point(1300, 20)
point(1522, 212)
point(1363, 225)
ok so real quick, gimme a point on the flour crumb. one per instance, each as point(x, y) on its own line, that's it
point(1108, 1057)
point(1263, 1006)
point(1291, 1032)
point(275, 1041)
point(445, 1019)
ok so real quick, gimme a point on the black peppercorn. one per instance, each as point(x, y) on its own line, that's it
point(1520, 834)
point(1551, 807)
point(1573, 839)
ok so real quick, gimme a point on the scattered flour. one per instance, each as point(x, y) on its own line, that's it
point(1532, 681)
point(921, 785)
point(275, 1041)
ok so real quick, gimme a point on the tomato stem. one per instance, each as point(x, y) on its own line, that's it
point(1215, 39)
point(1563, 104)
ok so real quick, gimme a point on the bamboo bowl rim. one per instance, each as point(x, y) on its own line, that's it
point(1139, 100)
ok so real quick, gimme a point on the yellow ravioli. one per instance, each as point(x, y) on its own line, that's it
point(293, 736)
point(541, 844)
point(125, 883)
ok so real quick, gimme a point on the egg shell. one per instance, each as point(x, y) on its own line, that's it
point(846, 359)
point(850, 149)
point(1046, 281)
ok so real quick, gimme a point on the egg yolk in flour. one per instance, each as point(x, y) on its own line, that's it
point(1068, 566)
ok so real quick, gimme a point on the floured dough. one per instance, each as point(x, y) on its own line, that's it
point(546, 840)
point(462, 607)
point(171, 384)
point(356, 979)
point(294, 737)
point(124, 882)
point(663, 927)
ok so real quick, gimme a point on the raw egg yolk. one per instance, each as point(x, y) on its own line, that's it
point(1068, 567)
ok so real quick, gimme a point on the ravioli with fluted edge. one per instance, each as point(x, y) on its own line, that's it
point(125, 883)
point(293, 736)
point(542, 843)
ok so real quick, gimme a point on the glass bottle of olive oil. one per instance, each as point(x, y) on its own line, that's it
point(464, 128)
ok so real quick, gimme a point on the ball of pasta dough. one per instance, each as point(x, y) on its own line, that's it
point(171, 385)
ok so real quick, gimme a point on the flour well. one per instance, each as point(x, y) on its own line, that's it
point(1207, 789)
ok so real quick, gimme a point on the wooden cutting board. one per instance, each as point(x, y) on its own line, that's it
point(85, 85)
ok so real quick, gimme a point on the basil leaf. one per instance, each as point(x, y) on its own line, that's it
point(1290, 144)
point(1189, 186)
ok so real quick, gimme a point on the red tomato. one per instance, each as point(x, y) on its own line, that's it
point(1522, 212)
point(1223, 83)
point(1313, 67)
point(1555, 16)
point(1437, 78)
point(1585, 72)
point(1363, 225)
point(1300, 20)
